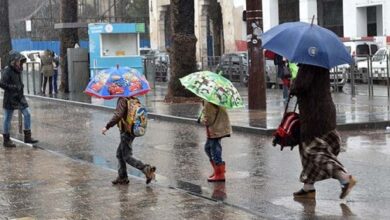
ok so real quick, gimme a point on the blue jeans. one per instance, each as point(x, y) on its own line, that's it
point(285, 92)
point(213, 150)
point(8, 117)
point(55, 76)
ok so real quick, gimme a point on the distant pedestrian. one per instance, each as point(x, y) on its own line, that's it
point(56, 64)
point(282, 70)
point(14, 99)
point(124, 153)
point(47, 70)
point(217, 123)
point(320, 141)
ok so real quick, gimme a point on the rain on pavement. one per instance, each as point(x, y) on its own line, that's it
point(260, 178)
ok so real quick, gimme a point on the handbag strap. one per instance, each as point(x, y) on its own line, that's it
point(287, 104)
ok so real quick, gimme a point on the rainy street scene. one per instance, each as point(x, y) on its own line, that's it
point(194, 109)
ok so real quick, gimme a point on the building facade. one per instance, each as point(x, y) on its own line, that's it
point(347, 18)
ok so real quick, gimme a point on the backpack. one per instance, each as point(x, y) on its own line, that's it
point(288, 132)
point(136, 119)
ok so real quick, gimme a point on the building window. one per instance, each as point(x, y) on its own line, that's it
point(288, 11)
point(371, 21)
point(330, 15)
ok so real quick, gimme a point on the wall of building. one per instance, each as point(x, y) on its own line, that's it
point(234, 29)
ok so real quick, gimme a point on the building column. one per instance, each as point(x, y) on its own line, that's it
point(308, 8)
point(201, 12)
point(349, 18)
point(361, 22)
point(161, 28)
point(157, 14)
point(270, 14)
point(379, 20)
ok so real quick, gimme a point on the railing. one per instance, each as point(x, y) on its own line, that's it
point(32, 77)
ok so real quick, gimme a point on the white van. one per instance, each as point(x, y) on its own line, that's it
point(359, 50)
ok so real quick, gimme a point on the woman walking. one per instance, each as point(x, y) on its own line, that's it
point(320, 141)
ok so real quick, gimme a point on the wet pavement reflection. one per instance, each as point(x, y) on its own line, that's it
point(260, 178)
point(351, 112)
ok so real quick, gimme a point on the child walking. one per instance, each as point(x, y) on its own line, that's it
point(124, 153)
point(217, 123)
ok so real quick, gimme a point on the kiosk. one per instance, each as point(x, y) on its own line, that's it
point(115, 44)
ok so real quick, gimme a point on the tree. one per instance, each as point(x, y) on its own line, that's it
point(5, 37)
point(68, 37)
point(182, 52)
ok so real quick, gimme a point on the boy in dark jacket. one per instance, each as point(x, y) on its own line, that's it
point(124, 152)
point(11, 82)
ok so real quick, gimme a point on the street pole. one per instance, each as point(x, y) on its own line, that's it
point(256, 84)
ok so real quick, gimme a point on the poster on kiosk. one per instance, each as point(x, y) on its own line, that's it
point(115, 44)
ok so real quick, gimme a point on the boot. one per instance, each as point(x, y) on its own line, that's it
point(149, 172)
point(213, 165)
point(28, 138)
point(7, 141)
point(120, 181)
point(219, 175)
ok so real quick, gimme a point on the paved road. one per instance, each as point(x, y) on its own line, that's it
point(260, 178)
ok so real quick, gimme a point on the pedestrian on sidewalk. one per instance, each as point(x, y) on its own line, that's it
point(56, 64)
point(320, 141)
point(47, 70)
point(216, 120)
point(124, 153)
point(282, 70)
point(14, 99)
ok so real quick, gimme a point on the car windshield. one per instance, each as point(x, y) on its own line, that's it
point(380, 55)
point(362, 50)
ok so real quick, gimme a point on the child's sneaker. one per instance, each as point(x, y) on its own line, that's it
point(149, 172)
point(120, 181)
point(311, 194)
point(346, 188)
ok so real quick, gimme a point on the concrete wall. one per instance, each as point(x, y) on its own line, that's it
point(270, 13)
point(355, 17)
point(308, 9)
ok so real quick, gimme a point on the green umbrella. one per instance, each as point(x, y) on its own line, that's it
point(213, 88)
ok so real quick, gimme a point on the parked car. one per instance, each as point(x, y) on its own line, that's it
point(162, 64)
point(359, 51)
point(379, 66)
point(234, 66)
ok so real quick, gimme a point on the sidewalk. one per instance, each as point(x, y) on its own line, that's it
point(38, 184)
point(352, 113)
point(260, 178)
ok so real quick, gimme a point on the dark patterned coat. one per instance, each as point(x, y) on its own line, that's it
point(316, 108)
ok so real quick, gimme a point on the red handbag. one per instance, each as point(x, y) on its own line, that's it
point(288, 132)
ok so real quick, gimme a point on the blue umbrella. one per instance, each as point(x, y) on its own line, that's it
point(306, 43)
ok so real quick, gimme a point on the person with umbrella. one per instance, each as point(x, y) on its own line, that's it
point(316, 50)
point(124, 84)
point(218, 94)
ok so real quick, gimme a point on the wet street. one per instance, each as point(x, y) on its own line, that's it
point(76, 163)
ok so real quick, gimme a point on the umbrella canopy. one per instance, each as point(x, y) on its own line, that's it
point(118, 82)
point(306, 43)
point(213, 88)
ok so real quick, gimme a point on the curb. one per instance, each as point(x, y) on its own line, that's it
point(235, 128)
